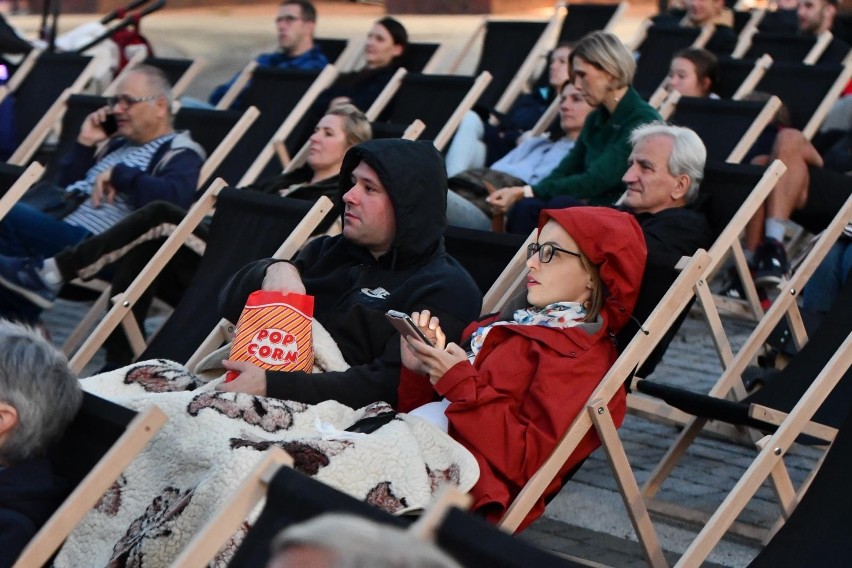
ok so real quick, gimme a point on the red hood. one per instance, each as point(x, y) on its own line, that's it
point(614, 242)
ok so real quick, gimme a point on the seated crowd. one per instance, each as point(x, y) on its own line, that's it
point(612, 196)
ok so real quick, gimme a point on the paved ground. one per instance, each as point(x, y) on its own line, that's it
point(587, 519)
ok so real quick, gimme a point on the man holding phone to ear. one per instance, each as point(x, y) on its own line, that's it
point(144, 160)
point(390, 256)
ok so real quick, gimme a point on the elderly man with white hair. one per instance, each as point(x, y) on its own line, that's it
point(39, 396)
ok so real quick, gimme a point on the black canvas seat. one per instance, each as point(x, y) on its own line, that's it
point(721, 124)
point(781, 46)
point(483, 254)
point(585, 18)
point(655, 55)
point(51, 74)
point(418, 55)
point(785, 80)
point(274, 92)
point(444, 94)
point(506, 46)
point(332, 48)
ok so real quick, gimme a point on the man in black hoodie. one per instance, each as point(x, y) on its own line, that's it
point(390, 256)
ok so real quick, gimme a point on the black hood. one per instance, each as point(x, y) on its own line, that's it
point(415, 178)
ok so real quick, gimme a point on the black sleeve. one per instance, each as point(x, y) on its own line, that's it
point(232, 298)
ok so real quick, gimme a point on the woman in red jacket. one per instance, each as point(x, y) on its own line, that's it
point(529, 370)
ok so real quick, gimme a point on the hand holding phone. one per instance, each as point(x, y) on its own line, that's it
point(406, 326)
point(109, 125)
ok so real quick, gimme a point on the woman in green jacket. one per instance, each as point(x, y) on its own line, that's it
point(602, 70)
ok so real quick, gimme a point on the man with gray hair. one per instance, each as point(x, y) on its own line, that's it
point(39, 396)
point(347, 541)
point(665, 169)
point(127, 154)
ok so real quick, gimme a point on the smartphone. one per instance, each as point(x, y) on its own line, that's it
point(109, 125)
point(406, 326)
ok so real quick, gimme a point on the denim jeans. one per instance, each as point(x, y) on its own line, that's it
point(824, 286)
point(25, 231)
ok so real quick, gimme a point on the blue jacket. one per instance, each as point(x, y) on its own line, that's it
point(171, 176)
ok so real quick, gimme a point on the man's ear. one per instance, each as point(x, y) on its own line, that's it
point(682, 183)
point(8, 419)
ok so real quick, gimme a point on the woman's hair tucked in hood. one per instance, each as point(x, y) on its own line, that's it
point(614, 242)
point(414, 175)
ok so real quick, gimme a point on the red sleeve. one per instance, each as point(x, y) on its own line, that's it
point(511, 409)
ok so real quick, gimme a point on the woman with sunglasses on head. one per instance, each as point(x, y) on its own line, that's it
point(523, 375)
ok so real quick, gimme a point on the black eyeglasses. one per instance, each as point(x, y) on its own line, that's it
point(126, 101)
point(546, 252)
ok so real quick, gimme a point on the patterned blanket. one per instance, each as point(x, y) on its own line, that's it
point(213, 439)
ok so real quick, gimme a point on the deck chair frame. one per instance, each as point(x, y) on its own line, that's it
point(87, 493)
point(823, 39)
point(322, 82)
point(769, 458)
point(203, 547)
point(730, 382)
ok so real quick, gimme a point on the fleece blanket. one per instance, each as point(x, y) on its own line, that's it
point(213, 439)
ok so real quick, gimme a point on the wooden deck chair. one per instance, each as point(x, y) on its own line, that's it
point(283, 98)
point(15, 182)
point(511, 52)
point(778, 21)
point(449, 96)
point(738, 77)
point(769, 465)
point(807, 107)
point(816, 531)
point(582, 19)
point(98, 445)
point(483, 254)
point(246, 226)
point(40, 97)
point(655, 54)
point(421, 57)
point(730, 382)
point(785, 47)
point(764, 409)
point(179, 72)
point(728, 128)
point(691, 281)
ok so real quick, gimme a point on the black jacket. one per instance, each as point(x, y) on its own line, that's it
point(669, 235)
point(353, 290)
point(29, 493)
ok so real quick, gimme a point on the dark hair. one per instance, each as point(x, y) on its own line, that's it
point(309, 12)
point(396, 30)
point(705, 62)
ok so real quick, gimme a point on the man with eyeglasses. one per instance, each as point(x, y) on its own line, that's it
point(110, 175)
point(296, 49)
